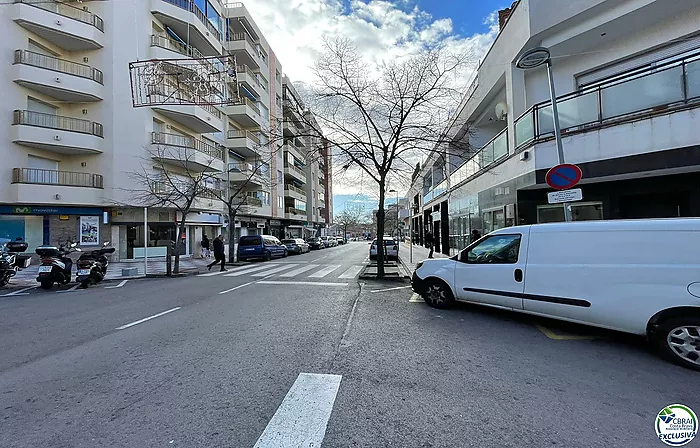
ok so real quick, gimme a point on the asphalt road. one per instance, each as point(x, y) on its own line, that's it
point(226, 365)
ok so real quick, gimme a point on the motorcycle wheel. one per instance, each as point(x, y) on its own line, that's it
point(4, 280)
point(46, 284)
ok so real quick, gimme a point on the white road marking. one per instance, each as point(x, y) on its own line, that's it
point(391, 289)
point(415, 298)
point(121, 283)
point(70, 290)
point(302, 418)
point(352, 272)
point(20, 292)
point(249, 270)
point(325, 271)
point(236, 269)
point(273, 282)
point(123, 327)
point(236, 287)
point(298, 271)
point(275, 270)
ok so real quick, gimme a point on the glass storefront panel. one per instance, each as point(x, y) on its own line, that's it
point(582, 211)
point(29, 228)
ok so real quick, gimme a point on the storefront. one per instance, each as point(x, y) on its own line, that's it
point(54, 225)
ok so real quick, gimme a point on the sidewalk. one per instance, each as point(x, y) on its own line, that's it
point(420, 253)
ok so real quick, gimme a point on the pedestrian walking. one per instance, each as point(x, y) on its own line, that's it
point(475, 235)
point(205, 247)
point(218, 253)
point(429, 242)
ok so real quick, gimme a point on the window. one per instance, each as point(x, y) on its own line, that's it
point(582, 211)
point(280, 177)
point(300, 205)
point(280, 202)
point(493, 220)
point(278, 77)
point(497, 249)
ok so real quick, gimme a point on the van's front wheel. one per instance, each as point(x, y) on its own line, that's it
point(437, 294)
point(267, 256)
point(678, 340)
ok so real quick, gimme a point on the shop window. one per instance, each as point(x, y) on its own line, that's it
point(582, 211)
point(493, 220)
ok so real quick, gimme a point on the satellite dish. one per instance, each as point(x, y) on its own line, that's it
point(501, 111)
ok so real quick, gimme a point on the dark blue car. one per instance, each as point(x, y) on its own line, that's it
point(263, 247)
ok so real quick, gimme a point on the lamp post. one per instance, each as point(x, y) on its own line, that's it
point(534, 58)
point(397, 210)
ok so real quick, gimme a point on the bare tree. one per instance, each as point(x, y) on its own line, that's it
point(180, 173)
point(350, 216)
point(382, 123)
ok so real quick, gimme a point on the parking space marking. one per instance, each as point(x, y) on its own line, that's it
point(236, 287)
point(564, 337)
point(20, 292)
point(302, 418)
point(73, 288)
point(415, 298)
point(391, 289)
point(121, 283)
point(124, 327)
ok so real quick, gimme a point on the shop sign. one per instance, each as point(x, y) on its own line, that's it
point(64, 217)
point(29, 210)
point(274, 222)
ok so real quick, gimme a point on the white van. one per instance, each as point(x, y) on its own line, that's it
point(640, 277)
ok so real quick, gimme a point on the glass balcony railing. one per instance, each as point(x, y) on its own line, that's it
point(656, 89)
point(190, 6)
point(27, 57)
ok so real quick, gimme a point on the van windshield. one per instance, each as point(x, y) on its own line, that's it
point(249, 241)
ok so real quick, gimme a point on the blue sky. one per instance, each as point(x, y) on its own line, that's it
point(467, 15)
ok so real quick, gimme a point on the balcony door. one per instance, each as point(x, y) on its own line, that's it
point(41, 170)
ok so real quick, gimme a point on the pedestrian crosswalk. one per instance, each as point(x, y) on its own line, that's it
point(292, 270)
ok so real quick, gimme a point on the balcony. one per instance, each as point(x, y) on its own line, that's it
point(247, 114)
point(60, 79)
point(295, 213)
point(36, 186)
point(295, 173)
point(245, 49)
point(249, 80)
point(493, 152)
point(209, 200)
point(290, 148)
point(244, 143)
point(186, 19)
point(294, 192)
point(163, 47)
point(187, 152)
point(242, 172)
point(201, 119)
point(55, 133)
point(66, 26)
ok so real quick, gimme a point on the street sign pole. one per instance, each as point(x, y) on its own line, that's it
point(557, 131)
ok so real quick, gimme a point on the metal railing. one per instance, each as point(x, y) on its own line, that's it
point(295, 169)
point(66, 10)
point(187, 142)
point(253, 201)
point(245, 69)
point(241, 36)
point(212, 110)
point(211, 193)
point(298, 190)
point(188, 5)
point(51, 121)
point(295, 211)
point(643, 92)
point(54, 177)
point(236, 133)
point(27, 57)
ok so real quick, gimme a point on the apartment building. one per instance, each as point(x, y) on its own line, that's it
point(73, 139)
point(627, 75)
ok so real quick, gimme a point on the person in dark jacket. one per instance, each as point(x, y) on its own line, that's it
point(429, 242)
point(206, 245)
point(219, 256)
point(475, 235)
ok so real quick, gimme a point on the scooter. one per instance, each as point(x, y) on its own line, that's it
point(10, 261)
point(56, 265)
point(92, 266)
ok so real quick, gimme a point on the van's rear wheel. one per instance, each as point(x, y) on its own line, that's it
point(678, 340)
point(437, 294)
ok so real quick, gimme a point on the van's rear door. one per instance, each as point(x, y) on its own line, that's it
point(492, 272)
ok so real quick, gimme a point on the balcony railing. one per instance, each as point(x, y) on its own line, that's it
point(656, 89)
point(295, 169)
point(69, 11)
point(51, 121)
point(27, 57)
point(52, 177)
point(241, 36)
point(188, 5)
point(295, 211)
point(252, 104)
point(492, 152)
point(253, 201)
point(245, 69)
point(172, 44)
point(187, 142)
point(298, 190)
point(212, 110)
point(235, 133)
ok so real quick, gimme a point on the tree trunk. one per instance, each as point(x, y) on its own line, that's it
point(178, 239)
point(380, 233)
point(231, 236)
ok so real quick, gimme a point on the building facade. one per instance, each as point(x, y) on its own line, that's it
point(627, 76)
point(73, 138)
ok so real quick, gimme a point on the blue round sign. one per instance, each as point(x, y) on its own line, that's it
point(564, 176)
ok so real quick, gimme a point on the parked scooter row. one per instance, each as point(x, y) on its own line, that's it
point(10, 259)
point(56, 265)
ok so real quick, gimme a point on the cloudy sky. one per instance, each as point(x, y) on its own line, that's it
point(381, 30)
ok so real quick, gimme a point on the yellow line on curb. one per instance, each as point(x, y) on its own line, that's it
point(558, 337)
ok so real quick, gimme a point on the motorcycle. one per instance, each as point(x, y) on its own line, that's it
point(10, 261)
point(92, 266)
point(56, 265)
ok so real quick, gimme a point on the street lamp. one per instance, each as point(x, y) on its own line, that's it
point(534, 58)
point(397, 210)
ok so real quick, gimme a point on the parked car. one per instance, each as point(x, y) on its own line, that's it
point(329, 241)
point(632, 276)
point(263, 247)
point(316, 243)
point(296, 246)
point(391, 245)
point(340, 239)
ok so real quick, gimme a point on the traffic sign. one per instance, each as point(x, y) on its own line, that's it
point(564, 176)
point(557, 197)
